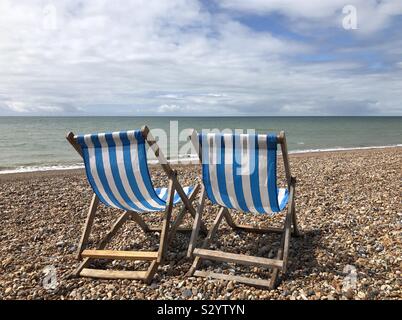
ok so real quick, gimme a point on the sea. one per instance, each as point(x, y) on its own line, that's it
point(38, 143)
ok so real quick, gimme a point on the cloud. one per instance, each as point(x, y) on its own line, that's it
point(21, 107)
point(372, 15)
point(72, 57)
point(168, 108)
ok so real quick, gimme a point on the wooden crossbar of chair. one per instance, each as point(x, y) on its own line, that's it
point(279, 264)
point(167, 230)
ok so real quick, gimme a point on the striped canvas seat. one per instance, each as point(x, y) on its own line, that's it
point(117, 170)
point(239, 172)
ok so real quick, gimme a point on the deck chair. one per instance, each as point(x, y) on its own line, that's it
point(239, 173)
point(117, 170)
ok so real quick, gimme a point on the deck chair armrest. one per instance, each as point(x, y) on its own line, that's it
point(282, 141)
point(73, 141)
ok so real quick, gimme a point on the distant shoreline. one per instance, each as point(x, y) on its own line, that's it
point(73, 170)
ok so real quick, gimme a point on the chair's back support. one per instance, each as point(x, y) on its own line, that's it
point(117, 170)
point(239, 171)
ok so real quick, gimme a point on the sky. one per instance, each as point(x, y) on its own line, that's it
point(200, 58)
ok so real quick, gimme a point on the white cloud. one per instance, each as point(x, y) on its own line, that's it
point(372, 15)
point(22, 107)
point(135, 57)
point(168, 108)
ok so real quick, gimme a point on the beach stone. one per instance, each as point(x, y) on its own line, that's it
point(310, 293)
point(187, 293)
point(230, 286)
point(379, 248)
point(361, 295)
point(343, 216)
point(349, 294)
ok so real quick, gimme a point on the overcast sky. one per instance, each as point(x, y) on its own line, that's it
point(183, 57)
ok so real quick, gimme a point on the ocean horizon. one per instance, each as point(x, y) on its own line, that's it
point(37, 143)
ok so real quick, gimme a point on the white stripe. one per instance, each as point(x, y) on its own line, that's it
point(137, 173)
point(94, 171)
point(109, 174)
point(162, 192)
point(123, 173)
point(245, 163)
point(263, 172)
point(228, 140)
point(212, 157)
point(186, 191)
point(281, 195)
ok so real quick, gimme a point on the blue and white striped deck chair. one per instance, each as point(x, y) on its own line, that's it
point(117, 170)
point(239, 173)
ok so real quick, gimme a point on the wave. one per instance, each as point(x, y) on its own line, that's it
point(343, 149)
point(23, 169)
point(183, 159)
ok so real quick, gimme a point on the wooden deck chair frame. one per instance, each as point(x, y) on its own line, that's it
point(278, 264)
point(167, 230)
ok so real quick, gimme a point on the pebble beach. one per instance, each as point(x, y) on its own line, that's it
point(349, 211)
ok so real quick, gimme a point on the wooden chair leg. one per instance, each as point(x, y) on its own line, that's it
point(166, 222)
point(275, 272)
point(146, 276)
point(288, 226)
point(277, 264)
point(207, 240)
point(88, 225)
point(249, 228)
point(230, 221)
point(113, 230)
point(151, 272)
point(180, 216)
point(176, 223)
point(296, 230)
point(284, 246)
point(137, 218)
point(102, 244)
point(197, 223)
point(187, 203)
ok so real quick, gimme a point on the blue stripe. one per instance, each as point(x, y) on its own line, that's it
point(176, 198)
point(142, 158)
point(237, 178)
point(205, 168)
point(220, 171)
point(101, 172)
point(90, 178)
point(272, 188)
point(115, 172)
point(130, 173)
point(255, 178)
